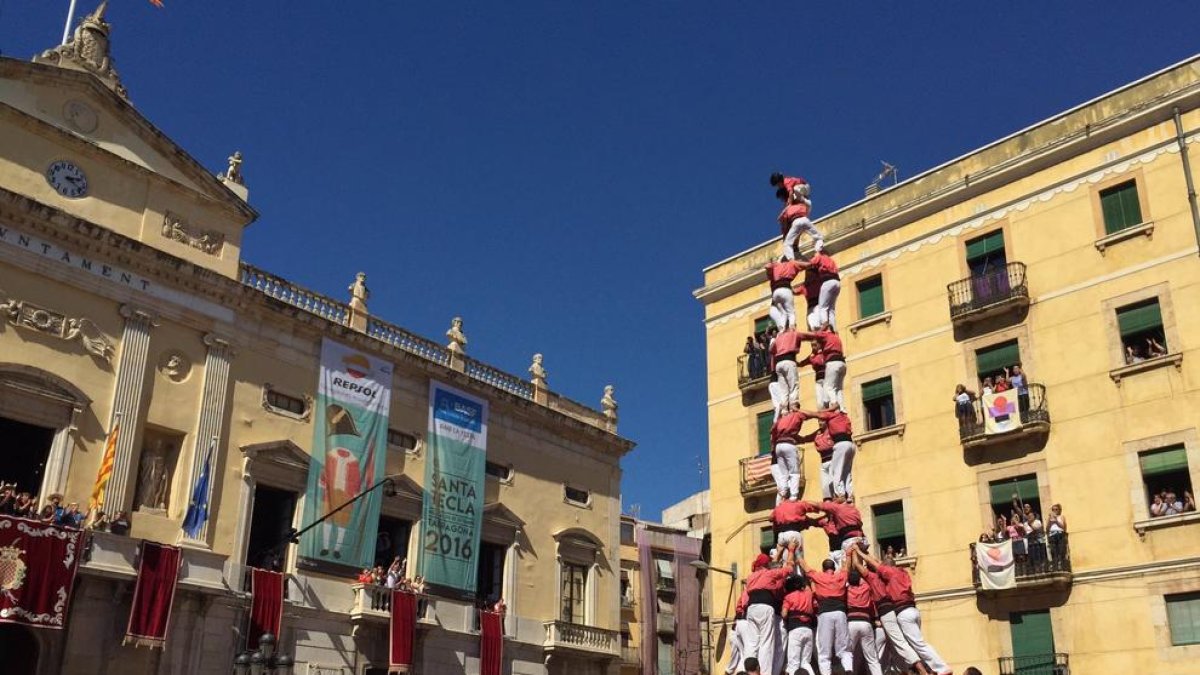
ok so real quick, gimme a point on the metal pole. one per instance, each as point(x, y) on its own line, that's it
point(1187, 173)
point(294, 535)
point(70, 20)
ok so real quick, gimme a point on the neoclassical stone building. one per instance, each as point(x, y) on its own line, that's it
point(124, 299)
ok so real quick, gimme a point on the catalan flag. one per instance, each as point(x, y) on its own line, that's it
point(759, 468)
point(106, 467)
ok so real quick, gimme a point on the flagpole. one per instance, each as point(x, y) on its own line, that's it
point(70, 19)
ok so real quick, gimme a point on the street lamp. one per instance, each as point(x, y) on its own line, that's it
point(263, 661)
point(705, 567)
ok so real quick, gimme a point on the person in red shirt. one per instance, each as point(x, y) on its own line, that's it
point(785, 435)
point(829, 345)
point(816, 359)
point(844, 521)
point(799, 620)
point(790, 518)
point(794, 220)
point(842, 460)
point(783, 352)
point(890, 643)
point(763, 596)
point(861, 613)
point(822, 283)
point(899, 588)
point(823, 442)
point(783, 300)
point(829, 590)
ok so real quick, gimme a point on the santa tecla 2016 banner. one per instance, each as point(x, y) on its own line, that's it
point(452, 513)
point(348, 456)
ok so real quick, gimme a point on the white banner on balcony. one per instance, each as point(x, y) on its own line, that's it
point(1000, 412)
point(997, 567)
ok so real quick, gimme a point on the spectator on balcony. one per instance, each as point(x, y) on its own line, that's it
point(25, 506)
point(754, 361)
point(1035, 539)
point(1016, 378)
point(1001, 382)
point(71, 516)
point(100, 523)
point(1133, 355)
point(964, 408)
point(1189, 502)
point(364, 577)
point(986, 538)
point(1001, 532)
point(1174, 505)
point(8, 497)
point(986, 387)
point(1016, 532)
point(394, 573)
point(1157, 506)
point(1154, 348)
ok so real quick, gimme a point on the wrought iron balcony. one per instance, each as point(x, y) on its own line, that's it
point(753, 374)
point(1038, 564)
point(756, 480)
point(1037, 664)
point(988, 294)
point(1030, 407)
point(582, 640)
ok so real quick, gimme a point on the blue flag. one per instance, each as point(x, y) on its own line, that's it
point(197, 513)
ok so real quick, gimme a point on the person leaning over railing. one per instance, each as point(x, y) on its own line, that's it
point(964, 407)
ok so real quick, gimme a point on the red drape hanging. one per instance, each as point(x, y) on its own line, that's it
point(403, 631)
point(153, 596)
point(266, 605)
point(491, 642)
point(37, 571)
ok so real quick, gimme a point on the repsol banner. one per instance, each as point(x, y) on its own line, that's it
point(348, 456)
point(452, 513)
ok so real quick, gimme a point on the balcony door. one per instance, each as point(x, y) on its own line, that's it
point(988, 264)
point(1032, 642)
point(1021, 489)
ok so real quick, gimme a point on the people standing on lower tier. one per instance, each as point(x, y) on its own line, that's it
point(833, 639)
point(781, 275)
point(793, 219)
point(844, 521)
point(834, 355)
point(899, 585)
point(860, 617)
point(790, 518)
point(783, 352)
point(889, 638)
point(816, 359)
point(762, 599)
point(823, 284)
point(799, 622)
point(785, 438)
point(841, 464)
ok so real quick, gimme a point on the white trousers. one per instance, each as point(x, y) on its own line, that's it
point(788, 537)
point(895, 638)
point(827, 479)
point(835, 375)
point(779, 397)
point(910, 625)
point(783, 308)
point(798, 227)
point(842, 465)
point(736, 646)
point(762, 638)
point(862, 639)
point(787, 456)
point(799, 651)
point(786, 371)
point(832, 639)
point(819, 389)
point(839, 556)
point(825, 312)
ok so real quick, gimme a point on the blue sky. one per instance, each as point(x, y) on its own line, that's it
point(558, 173)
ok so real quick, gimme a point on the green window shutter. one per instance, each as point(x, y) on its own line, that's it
point(1120, 207)
point(870, 297)
point(762, 324)
point(1032, 639)
point(877, 389)
point(988, 243)
point(889, 520)
point(1183, 615)
point(765, 421)
point(766, 537)
point(1164, 460)
point(1002, 490)
point(990, 360)
point(1137, 318)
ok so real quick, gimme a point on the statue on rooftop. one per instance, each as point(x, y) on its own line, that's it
point(538, 372)
point(234, 173)
point(458, 339)
point(608, 405)
point(359, 293)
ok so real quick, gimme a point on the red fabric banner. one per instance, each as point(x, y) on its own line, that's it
point(491, 642)
point(153, 596)
point(37, 571)
point(403, 631)
point(266, 605)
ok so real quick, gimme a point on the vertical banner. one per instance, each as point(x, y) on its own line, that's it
point(997, 567)
point(452, 514)
point(348, 456)
point(1000, 412)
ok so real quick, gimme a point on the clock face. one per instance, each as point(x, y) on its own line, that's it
point(67, 179)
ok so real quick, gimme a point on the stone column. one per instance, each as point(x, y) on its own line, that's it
point(509, 592)
point(211, 424)
point(236, 565)
point(127, 403)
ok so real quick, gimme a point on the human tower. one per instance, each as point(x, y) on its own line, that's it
point(857, 608)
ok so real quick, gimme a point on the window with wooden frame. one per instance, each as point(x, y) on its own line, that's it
point(870, 296)
point(1120, 207)
point(879, 406)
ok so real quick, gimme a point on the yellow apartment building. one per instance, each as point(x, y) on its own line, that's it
point(1070, 248)
point(125, 298)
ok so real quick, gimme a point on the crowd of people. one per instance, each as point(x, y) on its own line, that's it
point(22, 504)
point(1166, 502)
point(1151, 349)
point(1037, 544)
point(855, 608)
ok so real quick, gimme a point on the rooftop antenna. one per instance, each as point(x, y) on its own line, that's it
point(889, 170)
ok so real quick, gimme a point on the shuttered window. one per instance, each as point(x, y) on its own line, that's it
point(889, 520)
point(1032, 641)
point(877, 389)
point(1163, 460)
point(992, 360)
point(1025, 487)
point(879, 408)
point(766, 539)
point(870, 296)
point(762, 324)
point(1120, 207)
point(1139, 318)
point(992, 242)
point(1183, 615)
point(765, 421)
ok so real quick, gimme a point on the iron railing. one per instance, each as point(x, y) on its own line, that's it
point(1044, 558)
point(753, 372)
point(1036, 664)
point(1031, 406)
point(987, 290)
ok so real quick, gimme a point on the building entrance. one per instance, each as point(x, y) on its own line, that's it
point(24, 449)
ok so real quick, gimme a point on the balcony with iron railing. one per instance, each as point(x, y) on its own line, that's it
point(1037, 664)
point(753, 373)
point(988, 294)
point(281, 290)
point(755, 475)
point(1030, 409)
point(580, 640)
point(1039, 564)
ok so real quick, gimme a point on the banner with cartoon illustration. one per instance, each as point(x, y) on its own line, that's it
point(348, 456)
point(1000, 412)
point(452, 513)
